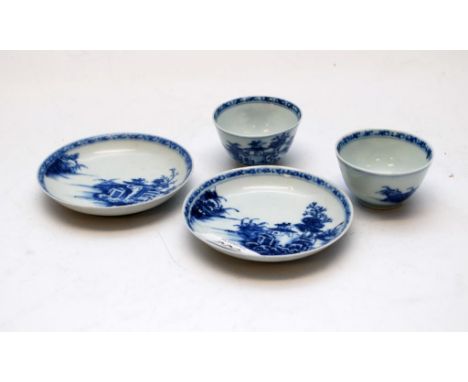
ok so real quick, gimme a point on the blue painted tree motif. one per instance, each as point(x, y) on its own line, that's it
point(281, 142)
point(64, 165)
point(279, 239)
point(208, 206)
point(112, 192)
point(256, 145)
point(395, 195)
point(257, 152)
point(257, 236)
point(235, 150)
point(314, 219)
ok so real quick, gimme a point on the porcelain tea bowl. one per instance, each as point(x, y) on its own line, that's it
point(257, 130)
point(383, 168)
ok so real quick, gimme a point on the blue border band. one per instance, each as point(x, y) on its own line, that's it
point(267, 171)
point(113, 137)
point(258, 99)
point(386, 133)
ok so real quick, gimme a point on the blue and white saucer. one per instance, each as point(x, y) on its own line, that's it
point(268, 213)
point(115, 174)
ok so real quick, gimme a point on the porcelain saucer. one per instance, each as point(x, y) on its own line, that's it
point(268, 213)
point(115, 174)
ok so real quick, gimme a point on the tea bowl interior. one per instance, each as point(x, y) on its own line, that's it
point(257, 116)
point(384, 152)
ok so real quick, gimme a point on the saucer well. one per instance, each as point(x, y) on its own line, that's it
point(267, 213)
point(115, 174)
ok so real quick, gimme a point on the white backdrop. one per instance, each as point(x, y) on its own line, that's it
point(404, 269)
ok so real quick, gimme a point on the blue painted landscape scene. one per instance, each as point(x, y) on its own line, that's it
point(257, 152)
point(64, 165)
point(112, 192)
point(269, 240)
point(394, 195)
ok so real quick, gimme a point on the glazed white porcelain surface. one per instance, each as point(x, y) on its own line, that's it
point(383, 168)
point(257, 130)
point(117, 174)
point(256, 119)
point(267, 213)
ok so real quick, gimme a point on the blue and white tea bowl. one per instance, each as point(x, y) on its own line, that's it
point(115, 174)
point(383, 168)
point(257, 130)
point(267, 213)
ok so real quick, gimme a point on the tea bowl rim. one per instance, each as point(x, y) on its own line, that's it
point(277, 101)
point(385, 133)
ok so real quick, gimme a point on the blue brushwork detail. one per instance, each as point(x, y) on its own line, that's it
point(387, 133)
point(208, 206)
point(394, 195)
point(280, 239)
point(111, 192)
point(258, 99)
point(261, 152)
point(257, 235)
point(64, 165)
point(286, 238)
point(267, 170)
point(43, 169)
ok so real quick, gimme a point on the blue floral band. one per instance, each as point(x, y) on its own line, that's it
point(258, 99)
point(386, 133)
point(112, 137)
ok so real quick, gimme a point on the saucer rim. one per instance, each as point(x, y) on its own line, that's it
point(277, 171)
point(115, 137)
